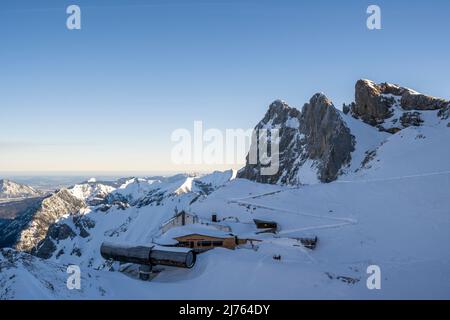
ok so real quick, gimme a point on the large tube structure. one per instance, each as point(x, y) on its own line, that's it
point(149, 255)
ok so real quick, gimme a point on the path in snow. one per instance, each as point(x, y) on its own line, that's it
point(329, 226)
point(346, 220)
point(429, 174)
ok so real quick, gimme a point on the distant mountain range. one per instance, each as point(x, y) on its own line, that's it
point(27, 222)
point(13, 190)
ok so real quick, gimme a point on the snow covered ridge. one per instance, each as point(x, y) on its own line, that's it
point(399, 223)
point(33, 225)
point(38, 221)
point(136, 191)
point(119, 212)
point(13, 190)
point(321, 144)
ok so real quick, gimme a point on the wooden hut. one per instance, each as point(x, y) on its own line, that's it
point(265, 224)
point(201, 242)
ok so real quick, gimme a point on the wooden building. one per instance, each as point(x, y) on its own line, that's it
point(201, 242)
point(265, 224)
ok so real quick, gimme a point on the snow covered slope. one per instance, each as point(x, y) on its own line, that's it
point(132, 213)
point(387, 205)
point(390, 223)
point(91, 192)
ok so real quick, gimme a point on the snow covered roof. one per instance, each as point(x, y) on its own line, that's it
point(170, 235)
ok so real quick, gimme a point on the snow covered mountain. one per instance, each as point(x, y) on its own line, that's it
point(321, 143)
point(315, 140)
point(37, 226)
point(92, 192)
point(373, 190)
point(32, 221)
point(13, 190)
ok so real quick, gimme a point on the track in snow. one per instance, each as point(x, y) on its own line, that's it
point(441, 173)
point(346, 220)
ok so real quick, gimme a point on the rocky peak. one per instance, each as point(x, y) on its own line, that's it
point(315, 140)
point(286, 119)
point(328, 139)
point(278, 115)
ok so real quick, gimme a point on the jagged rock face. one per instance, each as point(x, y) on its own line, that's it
point(409, 119)
point(287, 120)
point(10, 189)
point(445, 112)
point(329, 140)
point(52, 208)
point(62, 231)
point(45, 250)
point(316, 134)
point(414, 101)
point(369, 105)
point(375, 103)
point(12, 226)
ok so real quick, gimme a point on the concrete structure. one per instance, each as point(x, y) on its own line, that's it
point(184, 218)
point(180, 219)
point(148, 256)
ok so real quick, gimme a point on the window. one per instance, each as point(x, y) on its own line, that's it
point(205, 243)
point(217, 243)
point(184, 243)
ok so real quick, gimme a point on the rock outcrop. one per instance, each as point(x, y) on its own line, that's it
point(445, 113)
point(12, 225)
point(79, 226)
point(286, 120)
point(316, 139)
point(385, 105)
point(328, 139)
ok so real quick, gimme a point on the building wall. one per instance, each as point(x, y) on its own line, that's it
point(201, 242)
point(178, 221)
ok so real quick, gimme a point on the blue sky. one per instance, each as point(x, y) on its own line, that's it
point(107, 97)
